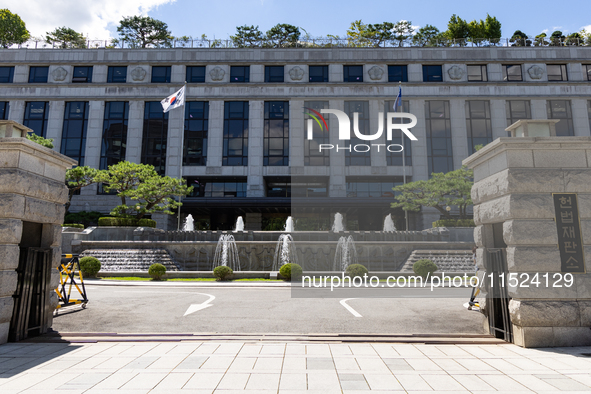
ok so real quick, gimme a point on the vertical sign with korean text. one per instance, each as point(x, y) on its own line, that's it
point(570, 241)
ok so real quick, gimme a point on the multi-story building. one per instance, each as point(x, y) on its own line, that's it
point(243, 128)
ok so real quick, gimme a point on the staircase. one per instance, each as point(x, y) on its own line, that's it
point(446, 260)
point(131, 259)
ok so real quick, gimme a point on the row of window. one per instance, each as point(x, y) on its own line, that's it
point(351, 73)
point(276, 131)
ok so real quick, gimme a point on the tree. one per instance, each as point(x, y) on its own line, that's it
point(492, 29)
point(457, 30)
point(519, 39)
point(403, 31)
point(477, 31)
point(283, 35)
point(379, 33)
point(247, 37)
point(427, 36)
point(12, 29)
point(66, 38)
point(46, 142)
point(77, 178)
point(540, 40)
point(439, 192)
point(557, 38)
point(155, 195)
point(575, 39)
point(357, 35)
point(144, 32)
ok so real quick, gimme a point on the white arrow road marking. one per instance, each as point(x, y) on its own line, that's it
point(197, 307)
point(353, 311)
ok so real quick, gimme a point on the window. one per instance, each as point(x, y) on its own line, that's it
point(195, 74)
point(4, 110)
point(374, 187)
point(512, 72)
point(155, 136)
point(74, 130)
point(161, 74)
point(587, 71)
point(320, 135)
point(353, 73)
point(318, 73)
point(276, 134)
point(432, 73)
point(114, 141)
point(6, 74)
point(278, 187)
point(355, 158)
point(196, 126)
point(235, 149)
point(439, 142)
point(274, 73)
point(395, 158)
point(306, 186)
point(82, 74)
point(217, 187)
point(478, 123)
point(477, 73)
point(36, 115)
point(240, 74)
point(560, 109)
point(516, 110)
point(556, 72)
point(38, 74)
point(117, 74)
point(397, 74)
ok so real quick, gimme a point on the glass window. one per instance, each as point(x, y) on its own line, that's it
point(235, 148)
point(556, 72)
point(217, 187)
point(155, 136)
point(561, 109)
point(439, 141)
point(395, 158)
point(114, 140)
point(274, 74)
point(397, 74)
point(353, 73)
point(318, 73)
point(117, 74)
point(355, 158)
point(512, 72)
point(196, 125)
point(195, 74)
point(373, 187)
point(4, 110)
point(516, 110)
point(587, 71)
point(36, 115)
point(432, 73)
point(240, 74)
point(305, 186)
point(38, 74)
point(6, 74)
point(320, 135)
point(276, 134)
point(477, 73)
point(74, 130)
point(82, 74)
point(478, 123)
point(160, 74)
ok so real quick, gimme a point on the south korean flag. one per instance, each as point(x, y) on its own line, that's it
point(175, 100)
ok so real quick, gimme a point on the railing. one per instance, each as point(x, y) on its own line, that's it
point(319, 43)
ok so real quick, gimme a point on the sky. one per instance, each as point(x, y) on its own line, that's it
point(98, 19)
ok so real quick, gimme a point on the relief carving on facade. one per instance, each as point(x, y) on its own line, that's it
point(296, 73)
point(138, 74)
point(59, 74)
point(375, 73)
point(455, 73)
point(535, 72)
point(217, 74)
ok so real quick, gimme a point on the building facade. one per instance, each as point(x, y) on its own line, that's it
point(241, 138)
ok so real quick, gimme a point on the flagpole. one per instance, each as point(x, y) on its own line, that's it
point(181, 158)
point(403, 153)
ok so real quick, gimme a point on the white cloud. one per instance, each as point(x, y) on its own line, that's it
point(93, 18)
point(587, 29)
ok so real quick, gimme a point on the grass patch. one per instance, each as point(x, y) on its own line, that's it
point(136, 278)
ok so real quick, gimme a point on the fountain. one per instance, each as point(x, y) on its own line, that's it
point(239, 224)
point(345, 254)
point(288, 225)
point(338, 226)
point(285, 252)
point(189, 223)
point(226, 253)
point(389, 224)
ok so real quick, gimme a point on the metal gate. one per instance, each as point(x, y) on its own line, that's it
point(497, 298)
point(29, 316)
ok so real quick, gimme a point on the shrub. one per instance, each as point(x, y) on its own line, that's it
point(87, 218)
point(291, 270)
point(90, 266)
point(46, 142)
point(222, 272)
point(355, 270)
point(424, 267)
point(454, 223)
point(146, 223)
point(125, 222)
point(157, 271)
point(74, 225)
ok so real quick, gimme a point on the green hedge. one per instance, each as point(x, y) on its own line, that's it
point(157, 271)
point(89, 266)
point(291, 270)
point(75, 225)
point(454, 223)
point(125, 222)
point(424, 268)
point(222, 272)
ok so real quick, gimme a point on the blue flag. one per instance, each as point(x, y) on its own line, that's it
point(398, 99)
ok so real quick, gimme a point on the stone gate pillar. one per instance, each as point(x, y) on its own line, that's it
point(514, 208)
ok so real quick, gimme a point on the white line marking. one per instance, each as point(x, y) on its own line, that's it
point(347, 307)
point(197, 307)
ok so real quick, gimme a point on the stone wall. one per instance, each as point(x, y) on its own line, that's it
point(514, 181)
point(32, 191)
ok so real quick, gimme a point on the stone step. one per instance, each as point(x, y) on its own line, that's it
point(446, 260)
point(131, 259)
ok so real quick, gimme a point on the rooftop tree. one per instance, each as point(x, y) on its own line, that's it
point(520, 39)
point(66, 37)
point(379, 33)
point(358, 35)
point(283, 35)
point(12, 29)
point(457, 30)
point(144, 32)
point(427, 36)
point(403, 31)
point(247, 37)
